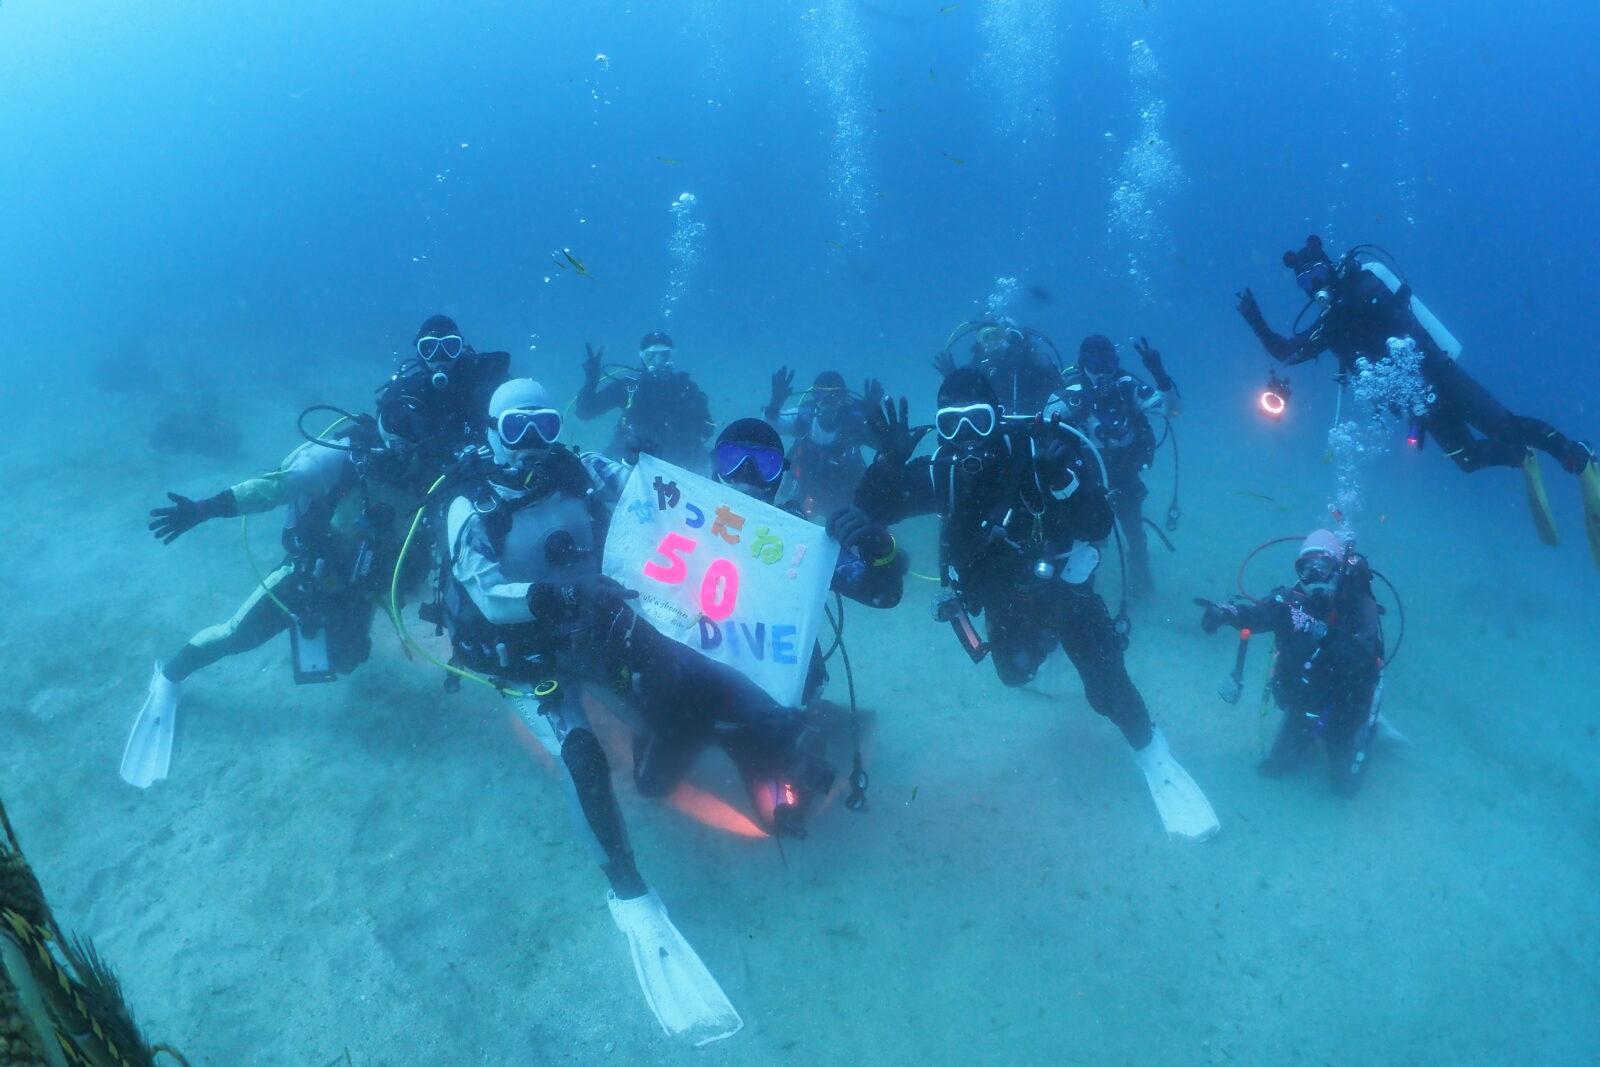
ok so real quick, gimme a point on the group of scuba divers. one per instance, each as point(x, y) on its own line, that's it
point(459, 485)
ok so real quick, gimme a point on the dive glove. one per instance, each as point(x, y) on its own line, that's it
point(169, 523)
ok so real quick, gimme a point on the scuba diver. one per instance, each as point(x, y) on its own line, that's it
point(1327, 666)
point(1113, 407)
point(1020, 509)
point(1361, 303)
point(527, 606)
point(343, 490)
point(829, 425)
point(437, 397)
point(1014, 360)
point(664, 412)
point(778, 751)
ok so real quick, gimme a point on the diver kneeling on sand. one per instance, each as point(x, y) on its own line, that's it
point(527, 607)
point(776, 749)
point(343, 489)
point(1327, 667)
point(1019, 515)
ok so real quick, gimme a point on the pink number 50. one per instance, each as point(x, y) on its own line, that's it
point(676, 569)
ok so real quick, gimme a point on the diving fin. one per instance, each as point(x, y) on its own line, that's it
point(1390, 734)
point(1184, 809)
point(1589, 485)
point(149, 753)
point(687, 1001)
point(1544, 520)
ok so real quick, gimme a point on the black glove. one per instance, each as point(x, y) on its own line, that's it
point(591, 365)
point(782, 386)
point(1250, 309)
point(1054, 454)
point(896, 437)
point(944, 363)
point(549, 602)
point(1216, 614)
point(872, 392)
point(1152, 363)
point(854, 529)
point(167, 524)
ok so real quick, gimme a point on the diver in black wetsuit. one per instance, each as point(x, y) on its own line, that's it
point(1020, 509)
point(779, 751)
point(830, 425)
point(1328, 663)
point(439, 398)
point(1113, 408)
point(1018, 362)
point(664, 412)
point(1357, 315)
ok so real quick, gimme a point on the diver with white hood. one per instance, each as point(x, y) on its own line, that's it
point(527, 606)
point(1327, 668)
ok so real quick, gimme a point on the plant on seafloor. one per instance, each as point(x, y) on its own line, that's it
point(60, 1003)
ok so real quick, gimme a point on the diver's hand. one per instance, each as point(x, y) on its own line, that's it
point(560, 602)
point(944, 363)
point(1214, 614)
point(1152, 363)
point(1306, 623)
point(1250, 309)
point(1055, 454)
point(782, 386)
point(855, 531)
point(169, 523)
point(591, 364)
point(872, 392)
point(896, 437)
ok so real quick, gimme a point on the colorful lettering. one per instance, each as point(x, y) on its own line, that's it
point(783, 644)
point(727, 522)
point(767, 548)
point(719, 589)
point(696, 519)
point(667, 494)
point(676, 569)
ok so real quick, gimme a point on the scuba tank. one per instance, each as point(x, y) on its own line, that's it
point(1425, 318)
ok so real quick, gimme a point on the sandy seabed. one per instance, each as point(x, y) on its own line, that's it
point(379, 867)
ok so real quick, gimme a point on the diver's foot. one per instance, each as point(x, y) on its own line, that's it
point(1576, 457)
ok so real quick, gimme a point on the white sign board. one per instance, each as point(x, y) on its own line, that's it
point(734, 578)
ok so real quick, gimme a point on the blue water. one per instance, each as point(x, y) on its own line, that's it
point(276, 194)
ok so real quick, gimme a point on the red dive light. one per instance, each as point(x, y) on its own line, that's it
point(1274, 399)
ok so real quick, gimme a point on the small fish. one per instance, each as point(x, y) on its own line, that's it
point(837, 245)
point(930, 75)
point(667, 159)
point(564, 259)
point(952, 7)
point(953, 159)
point(1256, 496)
point(914, 792)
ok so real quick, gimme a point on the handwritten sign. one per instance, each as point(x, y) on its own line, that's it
point(739, 580)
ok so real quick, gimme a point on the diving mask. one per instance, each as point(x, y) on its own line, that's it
point(656, 358)
point(981, 419)
point(730, 456)
point(519, 426)
point(432, 348)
